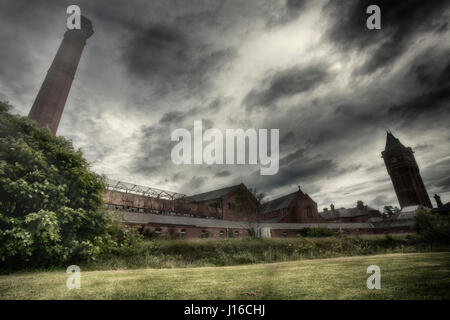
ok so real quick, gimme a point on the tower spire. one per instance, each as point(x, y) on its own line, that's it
point(392, 142)
point(404, 172)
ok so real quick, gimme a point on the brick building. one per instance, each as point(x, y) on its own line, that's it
point(235, 203)
point(296, 207)
point(233, 212)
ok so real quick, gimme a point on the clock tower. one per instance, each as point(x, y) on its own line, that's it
point(404, 171)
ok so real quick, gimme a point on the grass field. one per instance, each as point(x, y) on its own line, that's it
point(403, 276)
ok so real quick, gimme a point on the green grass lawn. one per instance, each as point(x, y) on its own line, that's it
point(403, 276)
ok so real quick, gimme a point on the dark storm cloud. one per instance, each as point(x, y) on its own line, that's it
point(173, 117)
point(195, 183)
point(443, 183)
point(150, 55)
point(434, 102)
point(423, 147)
point(172, 59)
point(431, 69)
point(288, 138)
point(224, 173)
point(154, 154)
point(293, 156)
point(438, 175)
point(289, 12)
point(295, 168)
point(301, 171)
point(431, 72)
point(379, 200)
point(401, 23)
point(286, 83)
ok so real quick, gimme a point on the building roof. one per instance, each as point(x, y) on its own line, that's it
point(445, 208)
point(144, 218)
point(409, 212)
point(278, 203)
point(212, 195)
point(346, 213)
point(392, 142)
point(390, 223)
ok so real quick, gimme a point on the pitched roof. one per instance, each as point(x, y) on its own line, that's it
point(443, 209)
point(278, 203)
point(144, 218)
point(392, 142)
point(211, 195)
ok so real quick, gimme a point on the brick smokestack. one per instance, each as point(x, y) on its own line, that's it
point(48, 107)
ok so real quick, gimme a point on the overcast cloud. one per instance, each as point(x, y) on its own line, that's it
point(309, 68)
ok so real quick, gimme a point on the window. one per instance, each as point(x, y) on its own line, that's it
point(236, 234)
point(158, 231)
point(285, 234)
point(309, 212)
point(222, 233)
point(205, 234)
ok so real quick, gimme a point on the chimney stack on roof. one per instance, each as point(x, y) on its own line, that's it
point(332, 207)
point(438, 201)
point(360, 204)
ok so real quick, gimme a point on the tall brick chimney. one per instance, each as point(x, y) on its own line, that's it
point(332, 207)
point(48, 107)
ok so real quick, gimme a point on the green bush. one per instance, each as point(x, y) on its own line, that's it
point(432, 227)
point(157, 253)
point(316, 232)
point(50, 202)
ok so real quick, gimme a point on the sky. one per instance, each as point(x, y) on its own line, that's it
point(311, 69)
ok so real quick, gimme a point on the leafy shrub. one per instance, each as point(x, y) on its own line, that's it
point(316, 232)
point(50, 202)
point(432, 227)
point(157, 253)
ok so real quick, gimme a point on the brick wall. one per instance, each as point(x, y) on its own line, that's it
point(191, 232)
point(139, 203)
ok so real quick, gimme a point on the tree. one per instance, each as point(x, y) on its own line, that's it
point(390, 211)
point(51, 204)
point(432, 227)
point(247, 203)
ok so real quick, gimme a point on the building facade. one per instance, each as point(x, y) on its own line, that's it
point(296, 207)
point(233, 212)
